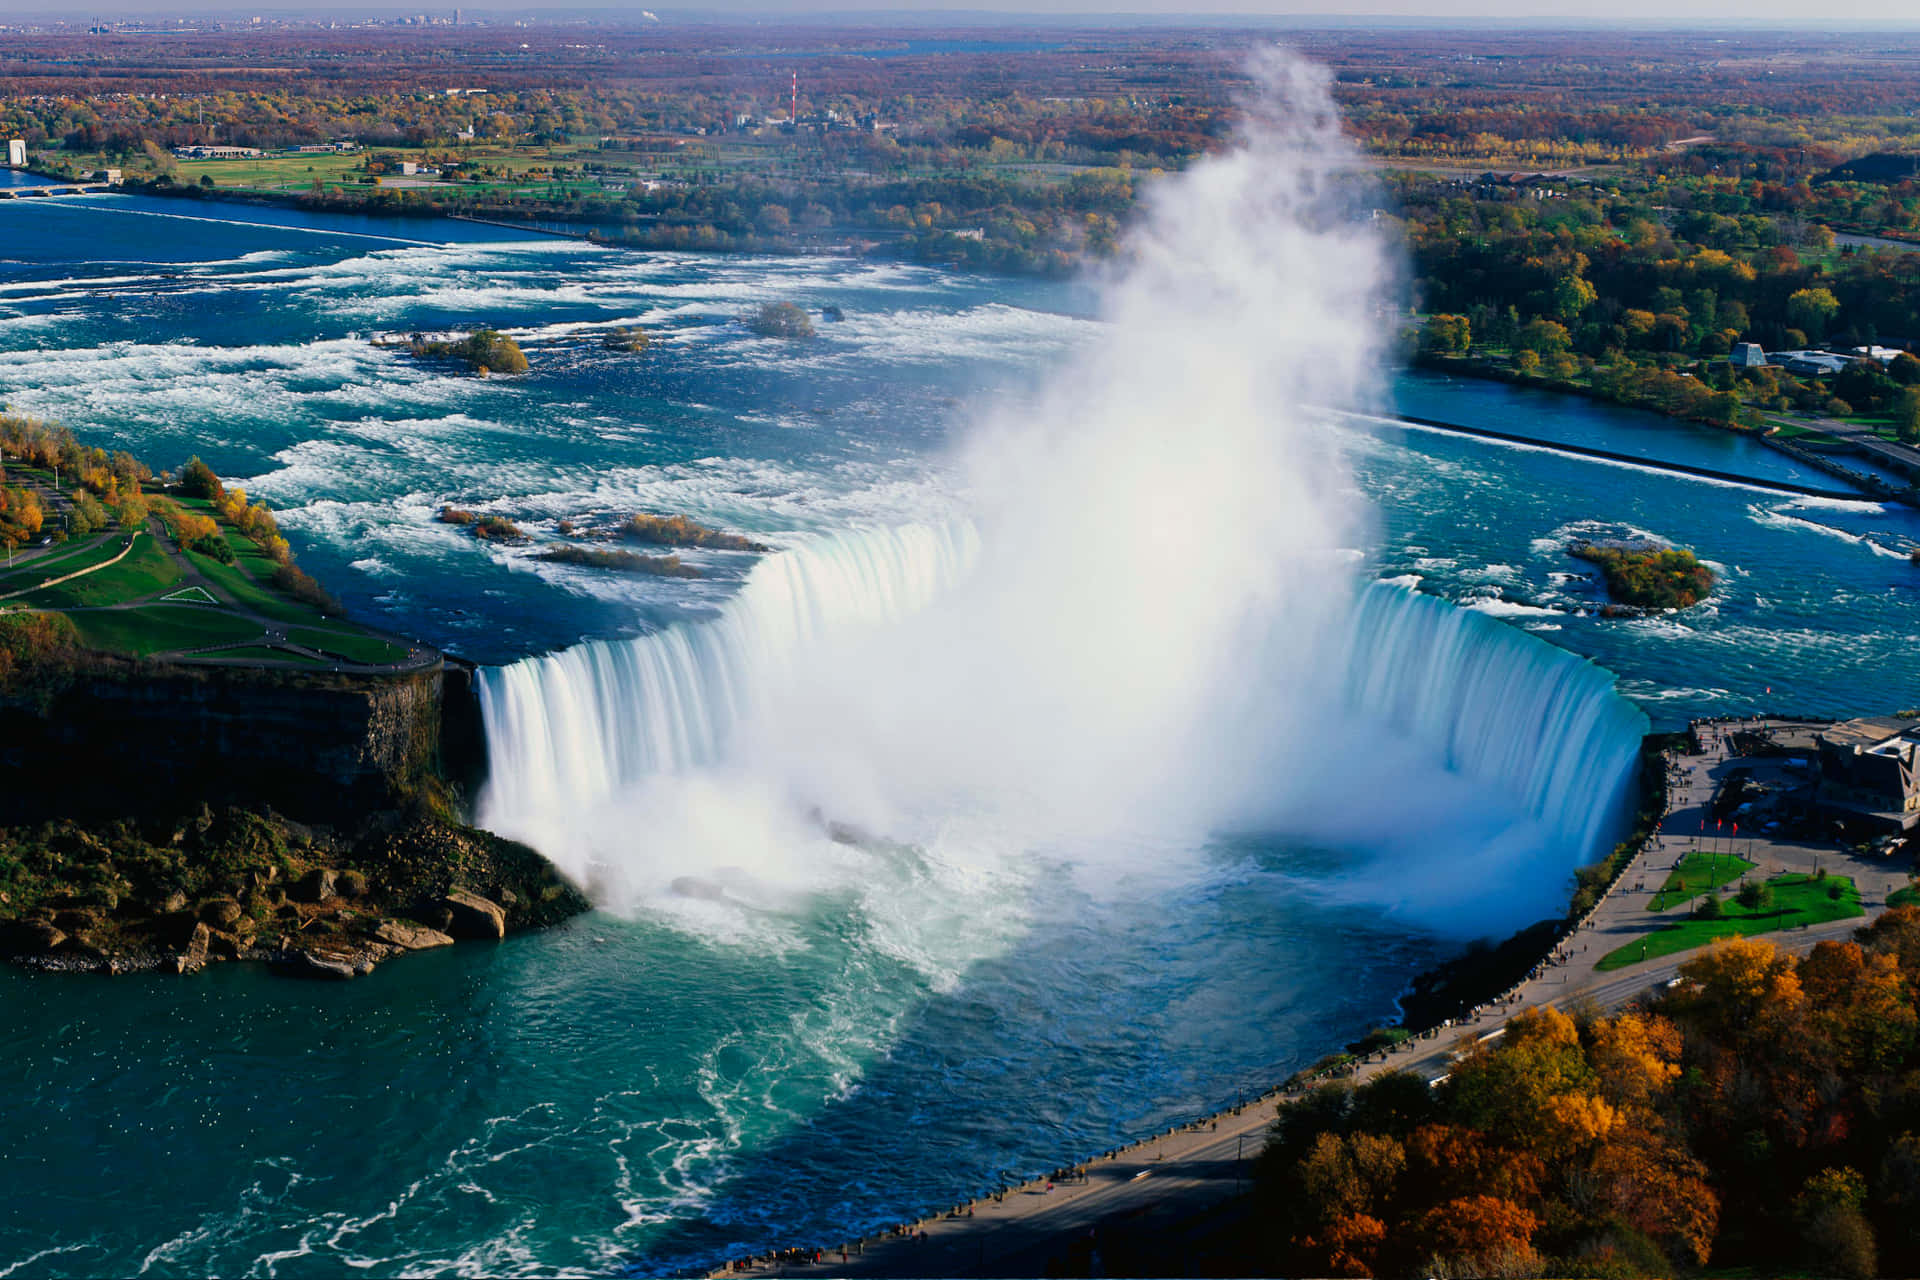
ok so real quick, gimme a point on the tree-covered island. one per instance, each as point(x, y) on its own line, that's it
point(1645, 576)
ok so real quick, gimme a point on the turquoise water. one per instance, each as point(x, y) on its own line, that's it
point(654, 1088)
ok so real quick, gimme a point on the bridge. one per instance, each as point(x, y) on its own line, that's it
point(54, 189)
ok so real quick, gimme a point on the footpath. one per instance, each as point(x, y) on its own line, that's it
point(1156, 1184)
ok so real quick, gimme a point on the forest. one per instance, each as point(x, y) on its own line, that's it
point(1762, 1112)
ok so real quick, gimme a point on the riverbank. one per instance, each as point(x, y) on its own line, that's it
point(1861, 484)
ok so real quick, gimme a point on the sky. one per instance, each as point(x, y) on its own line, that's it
point(1883, 13)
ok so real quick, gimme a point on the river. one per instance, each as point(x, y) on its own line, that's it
point(868, 1031)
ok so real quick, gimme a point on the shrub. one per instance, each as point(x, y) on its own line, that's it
point(212, 546)
point(296, 583)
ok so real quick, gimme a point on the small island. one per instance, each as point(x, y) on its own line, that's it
point(633, 340)
point(781, 320)
point(484, 351)
point(678, 531)
point(485, 528)
point(1642, 575)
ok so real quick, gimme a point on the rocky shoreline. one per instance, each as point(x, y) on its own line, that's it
point(241, 886)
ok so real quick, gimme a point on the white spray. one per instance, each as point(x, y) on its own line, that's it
point(1137, 639)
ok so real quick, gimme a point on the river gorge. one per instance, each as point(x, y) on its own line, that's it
point(822, 992)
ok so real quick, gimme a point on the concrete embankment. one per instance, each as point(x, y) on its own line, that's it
point(1626, 459)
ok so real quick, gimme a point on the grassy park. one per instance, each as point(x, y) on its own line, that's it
point(1696, 874)
point(1793, 902)
point(145, 567)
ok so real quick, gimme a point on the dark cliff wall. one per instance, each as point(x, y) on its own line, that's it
point(149, 738)
point(463, 732)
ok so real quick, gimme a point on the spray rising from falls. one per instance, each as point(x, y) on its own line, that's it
point(1128, 641)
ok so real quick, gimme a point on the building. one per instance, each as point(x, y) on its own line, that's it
point(16, 153)
point(1811, 364)
point(109, 176)
point(1747, 355)
point(1870, 772)
point(216, 153)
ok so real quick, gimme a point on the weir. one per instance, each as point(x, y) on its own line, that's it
point(1542, 728)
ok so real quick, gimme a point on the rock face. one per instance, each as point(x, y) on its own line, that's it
point(321, 745)
point(410, 937)
point(474, 916)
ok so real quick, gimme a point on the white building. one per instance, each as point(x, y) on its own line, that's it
point(16, 153)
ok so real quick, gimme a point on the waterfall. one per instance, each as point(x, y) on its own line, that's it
point(568, 730)
point(1541, 731)
point(1524, 718)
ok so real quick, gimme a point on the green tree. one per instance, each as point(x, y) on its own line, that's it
point(1906, 415)
point(197, 480)
point(1571, 298)
point(1543, 337)
point(1810, 310)
point(1447, 334)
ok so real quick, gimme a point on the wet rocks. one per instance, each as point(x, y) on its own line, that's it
point(472, 916)
point(410, 937)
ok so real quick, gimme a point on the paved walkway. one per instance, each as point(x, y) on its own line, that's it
point(1016, 1232)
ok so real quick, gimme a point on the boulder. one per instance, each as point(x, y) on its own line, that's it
point(176, 901)
point(316, 886)
point(195, 956)
point(410, 937)
point(312, 964)
point(221, 912)
point(473, 916)
point(351, 884)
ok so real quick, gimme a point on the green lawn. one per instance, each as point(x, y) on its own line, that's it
point(146, 571)
point(251, 592)
point(160, 627)
point(61, 559)
point(1797, 900)
point(265, 652)
point(353, 646)
point(1698, 873)
point(1907, 897)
